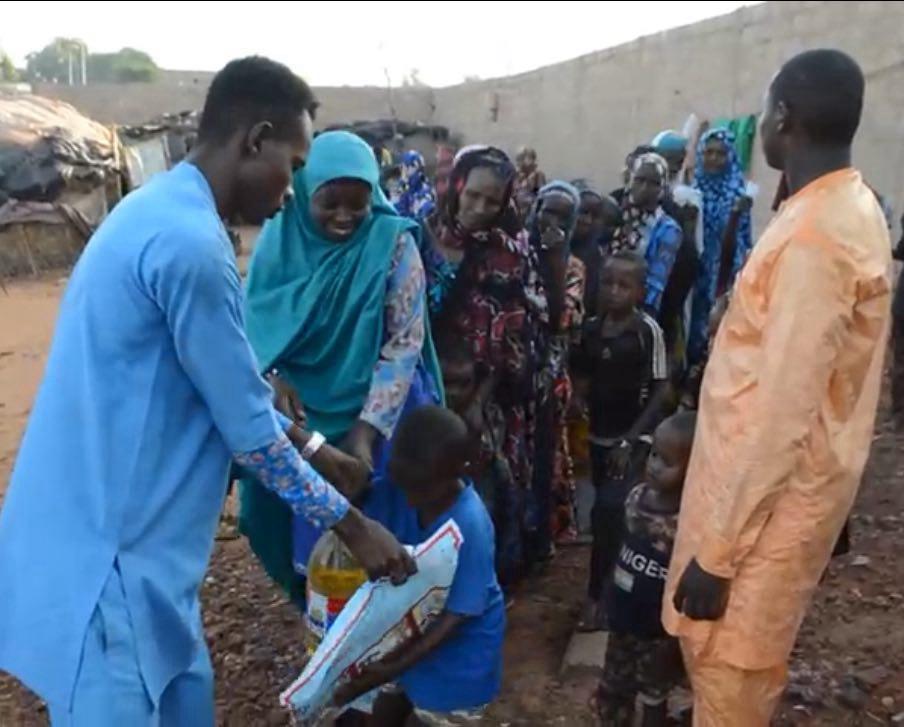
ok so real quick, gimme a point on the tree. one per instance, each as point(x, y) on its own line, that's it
point(60, 61)
point(66, 60)
point(125, 66)
point(8, 72)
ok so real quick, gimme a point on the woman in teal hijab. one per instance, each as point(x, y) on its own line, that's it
point(335, 308)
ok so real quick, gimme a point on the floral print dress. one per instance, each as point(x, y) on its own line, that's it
point(494, 300)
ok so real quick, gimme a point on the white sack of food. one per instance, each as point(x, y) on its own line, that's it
point(375, 621)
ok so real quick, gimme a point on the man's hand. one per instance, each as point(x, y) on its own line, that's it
point(286, 400)
point(701, 596)
point(348, 474)
point(375, 548)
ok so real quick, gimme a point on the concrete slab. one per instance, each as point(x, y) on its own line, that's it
point(583, 500)
point(585, 652)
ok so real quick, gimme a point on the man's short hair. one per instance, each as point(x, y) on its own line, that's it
point(823, 90)
point(250, 90)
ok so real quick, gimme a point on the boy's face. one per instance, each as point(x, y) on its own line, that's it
point(620, 287)
point(460, 384)
point(667, 463)
point(424, 479)
point(414, 478)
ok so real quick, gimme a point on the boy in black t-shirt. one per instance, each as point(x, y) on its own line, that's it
point(641, 659)
point(628, 368)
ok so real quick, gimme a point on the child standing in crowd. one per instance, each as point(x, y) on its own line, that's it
point(453, 671)
point(626, 358)
point(598, 218)
point(641, 659)
point(529, 178)
point(465, 390)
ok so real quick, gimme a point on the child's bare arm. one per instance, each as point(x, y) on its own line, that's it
point(398, 662)
point(652, 413)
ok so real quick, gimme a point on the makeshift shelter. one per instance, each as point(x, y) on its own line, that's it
point(398, 136)
point(157, 145)
point(60, 173)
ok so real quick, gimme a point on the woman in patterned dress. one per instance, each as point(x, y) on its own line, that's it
point(551, 226)
point(484, 288)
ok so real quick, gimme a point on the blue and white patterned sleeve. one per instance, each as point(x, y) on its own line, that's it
point(284, 422)
point(403, 338)
point(662, 250)
point(195, 283)
point(280, 468)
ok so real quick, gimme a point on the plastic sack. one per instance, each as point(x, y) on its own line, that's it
point(375, 621)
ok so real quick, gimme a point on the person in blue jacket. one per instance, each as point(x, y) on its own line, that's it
point(150, 389)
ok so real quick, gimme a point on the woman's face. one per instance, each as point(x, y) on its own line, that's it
point(590, 218)
point(715, 156)
point(339, 207)
point(556, 210)
point(481, 199)
point(646, 186)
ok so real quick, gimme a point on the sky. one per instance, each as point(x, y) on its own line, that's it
point(351, 43)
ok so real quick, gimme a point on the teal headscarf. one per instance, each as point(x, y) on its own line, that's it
point(314, 309)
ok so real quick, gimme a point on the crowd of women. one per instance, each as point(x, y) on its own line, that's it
point(490, 262)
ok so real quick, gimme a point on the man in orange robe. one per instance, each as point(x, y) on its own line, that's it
point(788, 404)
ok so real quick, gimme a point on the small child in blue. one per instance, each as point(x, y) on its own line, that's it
point(450, 674)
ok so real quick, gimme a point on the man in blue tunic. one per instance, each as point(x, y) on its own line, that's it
point(150, 390)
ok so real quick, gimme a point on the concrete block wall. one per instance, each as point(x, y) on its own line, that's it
point(584, 115)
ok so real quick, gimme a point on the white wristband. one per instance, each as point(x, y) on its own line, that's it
point(313, 446)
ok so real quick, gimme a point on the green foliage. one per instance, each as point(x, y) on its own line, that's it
point(126, 66)
point(8, 72)
point(61, 61)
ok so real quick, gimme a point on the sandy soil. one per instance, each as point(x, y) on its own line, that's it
point(848, 668)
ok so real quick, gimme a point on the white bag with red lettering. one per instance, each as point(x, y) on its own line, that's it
point(376, 621)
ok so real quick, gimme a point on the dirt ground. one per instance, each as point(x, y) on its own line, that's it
point(848, 668)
